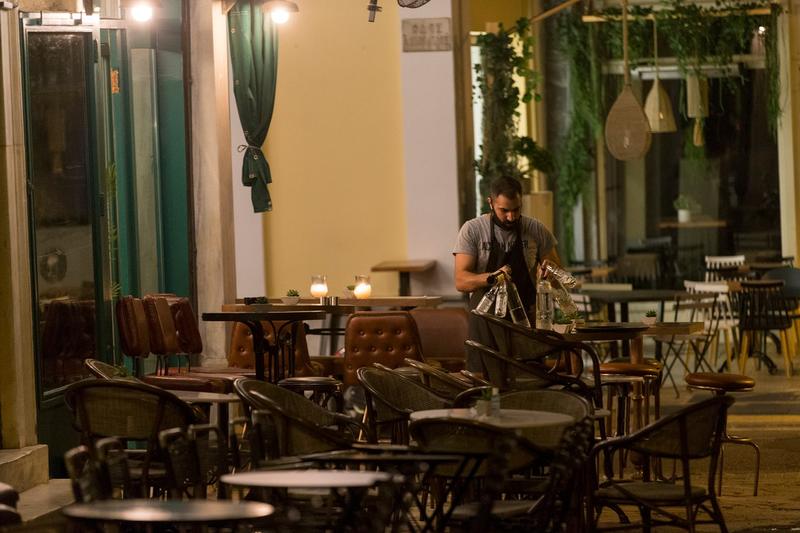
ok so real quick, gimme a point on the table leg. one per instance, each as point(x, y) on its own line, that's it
point(611, 311)
point(405, 283)
point(260, 346)
point(623, 312)
point(637, 357)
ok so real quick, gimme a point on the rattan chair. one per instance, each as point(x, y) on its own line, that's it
point(114, 465)
point(693, 433)
point(449, 385)
point(534, 359)
point(86, 477)
point(301, 426)
point(195, 459)
point(129, 411)
point(554, 401)
point(391, 398)
point(103, 370)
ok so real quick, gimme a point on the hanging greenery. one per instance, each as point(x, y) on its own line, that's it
point(505, 55)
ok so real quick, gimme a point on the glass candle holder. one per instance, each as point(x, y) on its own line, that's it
point(319, 286)
point(363, 288)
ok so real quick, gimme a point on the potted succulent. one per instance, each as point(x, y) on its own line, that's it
point(292, 297)
point(563, 323)
point(650, 318)
point(348, 291)
point(683, 205)
point(483, 405)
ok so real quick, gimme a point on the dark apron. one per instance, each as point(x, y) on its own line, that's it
point(515, 258)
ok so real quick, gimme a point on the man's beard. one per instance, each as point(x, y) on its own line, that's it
point(505, 225)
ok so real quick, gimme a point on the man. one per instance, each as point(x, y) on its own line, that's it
point(501, 241)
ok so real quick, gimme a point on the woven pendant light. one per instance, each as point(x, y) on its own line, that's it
point(657, 105)
point(627, 128)
point(697, 105)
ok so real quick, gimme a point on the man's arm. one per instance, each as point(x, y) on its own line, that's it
point(552, 256)
point(466, 279)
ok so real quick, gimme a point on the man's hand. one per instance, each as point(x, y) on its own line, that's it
point(505, 270)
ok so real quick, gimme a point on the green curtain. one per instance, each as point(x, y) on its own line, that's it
point(254, 60)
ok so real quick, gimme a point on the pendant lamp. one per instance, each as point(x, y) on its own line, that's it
point(657, 105)
point(697, 105)
point(627, 128)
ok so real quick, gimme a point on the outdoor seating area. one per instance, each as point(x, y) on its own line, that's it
point(399, 266)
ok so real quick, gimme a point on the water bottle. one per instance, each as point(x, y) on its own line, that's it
point(518, 315)
point(501, 305)
point(494, 403)
point(544, 305)
point(488, 299)
point(566, 279)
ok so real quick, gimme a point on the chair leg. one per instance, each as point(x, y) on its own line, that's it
point(728, 348)
point(743, 351)
point(730, 439)
point(787, 352)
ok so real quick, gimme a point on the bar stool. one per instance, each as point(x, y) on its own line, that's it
point(720, 384)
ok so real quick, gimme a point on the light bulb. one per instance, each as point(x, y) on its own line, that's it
point(762, 30)
point(279, 15)
point(142, 12)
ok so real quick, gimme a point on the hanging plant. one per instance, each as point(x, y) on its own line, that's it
point(503, 151)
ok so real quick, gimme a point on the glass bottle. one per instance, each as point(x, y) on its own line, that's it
point(544, 305)
point(518, 315)
point(488, 299)
point(501, 305)
point(566, 279)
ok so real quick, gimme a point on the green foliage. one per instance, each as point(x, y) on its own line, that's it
point(503, 150)
point(683, 201)
point(292, 293)
point(651, 313)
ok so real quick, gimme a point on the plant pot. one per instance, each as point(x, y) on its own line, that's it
point(684, 215)
point(348, 293)
point(483, 407)
point(290, 300)
point(562, 328)
point(649, 320)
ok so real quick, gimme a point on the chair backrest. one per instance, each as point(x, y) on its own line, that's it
point(301, 426)
point(693, 432)
point(85, 475)
point(379, 337)
point(392, 396)
point(442, 331)
point(161, 324)
point(134, 332)
point(789, 275)
point(762, 306)
point(640, 269)
point(195, 458)
point(188, 330)
point(716, 261)
point(103, 370)
point(554, 401)
point(442, 382)
point(114, 466)
point(724, 267)
point(242, 355)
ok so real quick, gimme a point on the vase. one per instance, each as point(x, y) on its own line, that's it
point(684, 215)
point(483, 407)
point(649, 320)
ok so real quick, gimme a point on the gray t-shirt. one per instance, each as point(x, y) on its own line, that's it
point(475, 239)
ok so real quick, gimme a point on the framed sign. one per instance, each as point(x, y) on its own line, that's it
point(427, 35)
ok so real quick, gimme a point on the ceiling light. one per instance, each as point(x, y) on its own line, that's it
point(279, 10)
point(141, 10)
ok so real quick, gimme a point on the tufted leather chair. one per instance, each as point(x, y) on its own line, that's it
point(442, 333)
point(379, 337)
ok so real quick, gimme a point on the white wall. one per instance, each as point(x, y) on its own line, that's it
point(248, 226)
point(429, 116)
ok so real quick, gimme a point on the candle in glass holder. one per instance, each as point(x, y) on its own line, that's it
point(363, 288)
point(319, 286)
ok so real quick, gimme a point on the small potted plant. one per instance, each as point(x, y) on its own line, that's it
point(683, 205)
point(292, 297)
point(563, 323)
point(348, 291)
point(649, 318)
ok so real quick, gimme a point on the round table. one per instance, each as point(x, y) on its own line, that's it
point(168, 511)
point(543, 428)
point(306, 479)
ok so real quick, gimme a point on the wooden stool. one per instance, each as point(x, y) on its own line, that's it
point(720, 384)
point(322, 389)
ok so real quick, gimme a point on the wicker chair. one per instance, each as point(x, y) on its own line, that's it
point(694, 432)
point(85, 474)
point(102, 370)
point(129, 411)
point(391, 398)
point(534, 359)
point(448, 385)
point(301, 426)
point(554, 401)
point(196, 458)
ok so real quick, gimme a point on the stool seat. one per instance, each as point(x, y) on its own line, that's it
point(720, 382)
point(646, 361)
point(630, 369)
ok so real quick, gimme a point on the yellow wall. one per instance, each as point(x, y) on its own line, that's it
point(505, 11)
point(335, 148)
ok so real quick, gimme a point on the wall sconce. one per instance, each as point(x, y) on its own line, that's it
point(141, 10)
point(279, 10)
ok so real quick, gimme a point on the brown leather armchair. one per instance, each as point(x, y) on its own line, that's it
point(379, 337)
point(442, 333)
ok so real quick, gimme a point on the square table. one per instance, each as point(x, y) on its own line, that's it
point(405, 268)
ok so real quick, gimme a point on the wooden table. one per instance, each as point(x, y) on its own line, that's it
point(701, 223)
point(261, 345)
point(543, 428)
point(405, 268)
point(207, 512)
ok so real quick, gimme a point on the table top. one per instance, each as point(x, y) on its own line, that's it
point(168, 511)
point(692, 224)
point(253, 315)
point(190, 396)
point(359, 457)
point(345, 305)
point(635, 330)
point(635, 295)
point(506, 419)
point(409, 265)
point(306, 479)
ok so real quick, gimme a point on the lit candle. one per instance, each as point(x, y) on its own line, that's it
point(363, 288)
point(319, 286)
